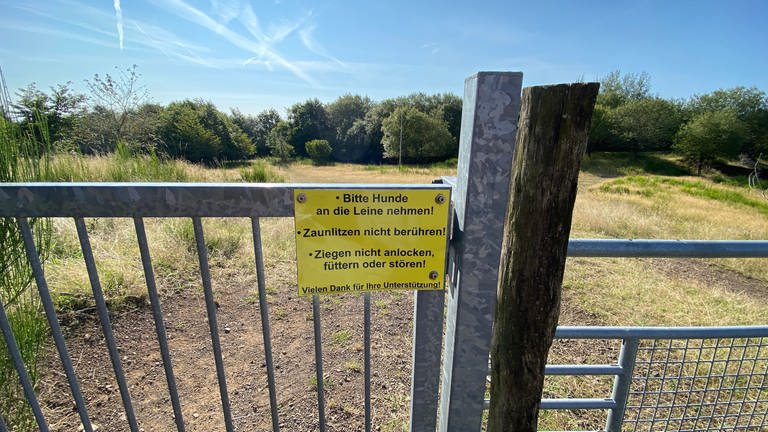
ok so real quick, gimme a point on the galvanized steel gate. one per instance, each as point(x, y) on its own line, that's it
point(448, 370)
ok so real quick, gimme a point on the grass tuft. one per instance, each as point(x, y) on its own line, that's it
point(260, 172)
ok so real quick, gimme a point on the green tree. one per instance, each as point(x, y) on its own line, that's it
point(372, 128)
point(183, 135)
point(416, 137)
point(235, 145)
point(449, 110)
point(58, 111)
point(750, 105)
point(257, 127)
point(197, 131)
point(94, 131)
point(709, 136)
point(345, 115)
point(645, 124)
point(319, 151)
point(118, 97)
point(602, 132)
point(277, 140)
point(308, 121)
point(144, 126)
point(617, 89)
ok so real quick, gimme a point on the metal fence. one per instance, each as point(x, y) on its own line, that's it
point(139, 201)
point(674, 378)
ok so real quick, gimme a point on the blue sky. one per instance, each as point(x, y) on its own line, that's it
point(259, 54)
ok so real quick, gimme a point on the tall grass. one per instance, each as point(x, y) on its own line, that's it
point(260, 172)
point(121, 166)
point(22, 158)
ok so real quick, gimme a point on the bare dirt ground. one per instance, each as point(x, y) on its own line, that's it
point(242, 345)
point(291, 318)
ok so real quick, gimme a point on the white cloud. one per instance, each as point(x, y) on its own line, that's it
point(261, 47)
point(56, 33)
point(169, 44)
point(119, 20)
point(309, 41)
point(227, 10)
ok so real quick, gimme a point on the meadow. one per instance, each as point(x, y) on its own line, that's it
point(620, 196)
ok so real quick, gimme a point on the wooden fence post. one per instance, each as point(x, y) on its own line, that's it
point(551, 139)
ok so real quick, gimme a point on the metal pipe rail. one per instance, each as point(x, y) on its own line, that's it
point(668, 248)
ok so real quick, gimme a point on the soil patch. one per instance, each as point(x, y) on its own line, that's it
point(710, 274)
point(293, 349)
point(243, 352)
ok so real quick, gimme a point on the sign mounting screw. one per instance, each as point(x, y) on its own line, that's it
point(433, 274)
point(302, 197)
point(440, 198)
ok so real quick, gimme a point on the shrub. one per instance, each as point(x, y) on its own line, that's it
point(319, 151)
point(709, 136)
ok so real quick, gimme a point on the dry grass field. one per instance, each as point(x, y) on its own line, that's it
point(613, 202)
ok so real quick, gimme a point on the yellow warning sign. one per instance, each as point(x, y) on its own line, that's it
point(357, 240)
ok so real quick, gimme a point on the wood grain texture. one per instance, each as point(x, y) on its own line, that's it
point(551, 140)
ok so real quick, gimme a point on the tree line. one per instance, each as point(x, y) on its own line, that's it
point(117, 112)
point(723, 124)
point(417, 128)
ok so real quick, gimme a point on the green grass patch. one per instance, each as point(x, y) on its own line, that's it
point(353, 366)
point(341, 337)
point(649, 186)
point(260, 172)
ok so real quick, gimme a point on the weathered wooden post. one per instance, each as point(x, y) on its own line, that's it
point(551, 139)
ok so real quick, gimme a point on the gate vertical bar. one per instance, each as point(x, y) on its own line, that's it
point(622, 384)
point(213, 325)
point(428, 307)
point(18, 363)
point(106, 325)
point(367, 358)
point(157, 314)
point(265, 327)
point(53, 322)
point(488, 130)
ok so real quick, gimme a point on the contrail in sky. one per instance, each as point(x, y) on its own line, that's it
point(119, 16)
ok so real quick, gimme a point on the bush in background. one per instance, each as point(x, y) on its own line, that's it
point(319, 151)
